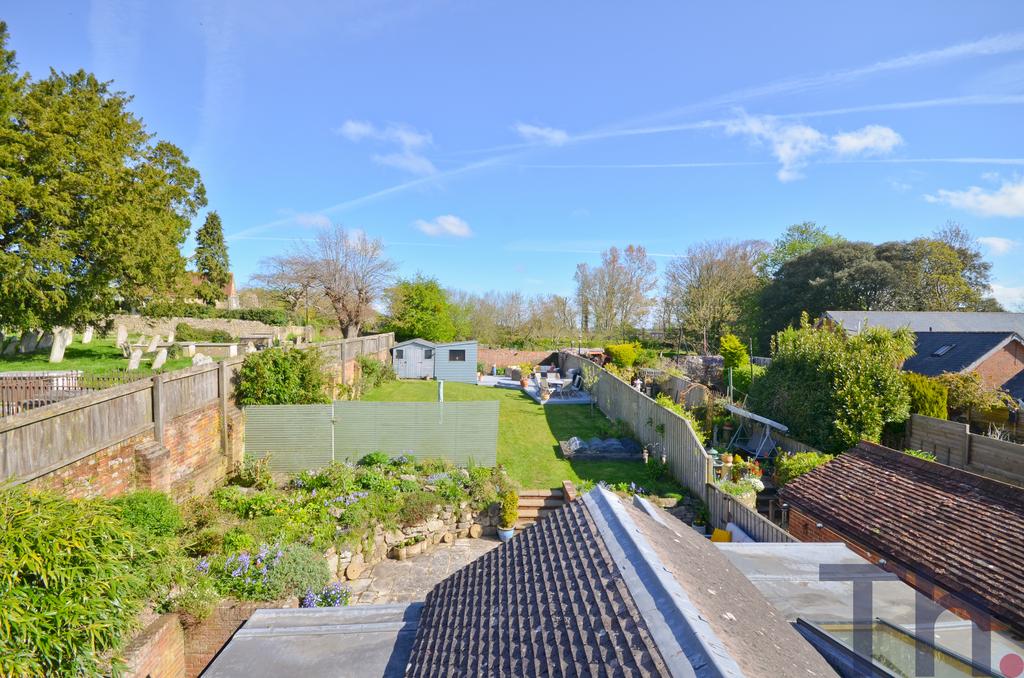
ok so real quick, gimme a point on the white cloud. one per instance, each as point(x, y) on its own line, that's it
point(998, 246)
point(447, 224)
point(313, 219)
point(545, 135)
point(869, 140)
point(792, 145)
point(407, 139)
point(1010, 297)
point(1006, 201)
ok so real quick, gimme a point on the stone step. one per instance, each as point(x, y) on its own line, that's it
point(535, 512)
point(556, 493)
point(550, 502)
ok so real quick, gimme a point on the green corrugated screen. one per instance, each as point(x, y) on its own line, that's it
point(299, 437)
point(461, 432)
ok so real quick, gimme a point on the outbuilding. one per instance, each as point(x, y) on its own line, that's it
point(422, 359)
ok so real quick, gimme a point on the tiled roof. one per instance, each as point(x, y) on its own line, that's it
point(602, 588)
point(961, 531)
point(931, 321)
point(1015, 386)
point(965, 349)
point(549, 602)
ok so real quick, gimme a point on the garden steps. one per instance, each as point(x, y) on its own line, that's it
point(536, 504)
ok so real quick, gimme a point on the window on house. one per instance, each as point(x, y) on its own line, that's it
point(428, 353)
point(943, 350)
point(457, 356)
point(399, 354)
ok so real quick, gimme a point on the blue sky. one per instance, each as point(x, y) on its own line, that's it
point(495, 145)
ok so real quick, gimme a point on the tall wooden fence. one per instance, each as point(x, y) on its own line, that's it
point(666, 431)
point(953, 444)
point(37, 442)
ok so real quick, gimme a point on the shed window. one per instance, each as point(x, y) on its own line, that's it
point(399, 354)
point(457, 356)
point(943, 350)
point(428, 353)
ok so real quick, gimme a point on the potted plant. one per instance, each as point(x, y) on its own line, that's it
point(700, 520)
point(524, 375)
point(509, 515)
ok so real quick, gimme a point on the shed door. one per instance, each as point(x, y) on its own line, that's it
point(425, 369)
point(402, 362)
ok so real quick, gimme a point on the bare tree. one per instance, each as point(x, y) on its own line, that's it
point(708, 289)
point(289, 280)
point(351, 271)
point(616, 295)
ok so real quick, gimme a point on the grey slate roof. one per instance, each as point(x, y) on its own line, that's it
point(603, 588)
point(931, 321)
point(1015, 386)
point(967, 349)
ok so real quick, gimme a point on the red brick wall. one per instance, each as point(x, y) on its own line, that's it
point(159, 651)
point(503, 357)
point(107, 473)
point(204, 640)
point(193, 465)
point(1003, 365)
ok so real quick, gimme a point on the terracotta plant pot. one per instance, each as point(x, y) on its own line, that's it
point(523, 382)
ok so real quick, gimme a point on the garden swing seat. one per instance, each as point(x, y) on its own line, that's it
point(754, 434)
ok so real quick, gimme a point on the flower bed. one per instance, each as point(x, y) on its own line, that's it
point(252, 540)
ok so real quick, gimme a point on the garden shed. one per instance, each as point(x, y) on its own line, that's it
point(422, 359)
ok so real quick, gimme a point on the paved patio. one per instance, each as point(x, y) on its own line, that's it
point(531, 390)
point(407, 581)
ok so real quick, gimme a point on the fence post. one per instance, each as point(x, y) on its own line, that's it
point(158, 409)
point(222, 393)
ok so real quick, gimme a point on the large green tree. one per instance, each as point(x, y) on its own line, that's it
point(93, 210)
point(833, 390)
point(211, 259)
point(419, 308)
point(798, 239)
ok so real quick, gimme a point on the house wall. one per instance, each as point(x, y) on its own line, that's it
point(804, 527)
point(1002, 365)
point(456, 371)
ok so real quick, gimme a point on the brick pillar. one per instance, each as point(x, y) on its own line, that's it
point(153, 467)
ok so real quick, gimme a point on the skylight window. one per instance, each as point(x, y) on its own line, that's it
point(943, 350)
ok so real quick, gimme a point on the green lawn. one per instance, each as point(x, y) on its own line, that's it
point(528, 435)
point(100, 356)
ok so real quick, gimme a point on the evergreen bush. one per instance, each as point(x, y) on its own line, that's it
point(928, 396)
point(791, 466)
point(282, 377)
point(622, 355)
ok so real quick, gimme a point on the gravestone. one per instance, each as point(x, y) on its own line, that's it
point(122, 334)
point(46, 342)
point(201, 359)
point(87, 335)
point(250, 347)
point(28, 341)
point(12, 346)
point(170, 337)
point(69, 336)
point(154, 344)
point(135, 359)
point(160, 359)
point(60, 343)
point(189, 350)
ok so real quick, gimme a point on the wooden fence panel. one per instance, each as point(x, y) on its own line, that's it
point(953, 444)
point(689, 462)
point(189, 390)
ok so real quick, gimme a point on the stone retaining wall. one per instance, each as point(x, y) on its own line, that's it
point(137, 324)
point(445, 526)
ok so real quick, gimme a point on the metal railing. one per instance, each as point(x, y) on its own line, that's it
point(21, 392)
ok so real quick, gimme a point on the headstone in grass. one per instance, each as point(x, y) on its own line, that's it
point(87, 335)
point(69, 335)
point(45, 342)
point(12, 346)
point(135, 359)
point(201, 359)
point(188, 350)
point(29, 340)
point(122, 335)
point(60, 343)
point(160, 359)
point(154, 344)
point(170, 337)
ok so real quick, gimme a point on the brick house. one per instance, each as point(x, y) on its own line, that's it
point(990, 344)
point(956, 537)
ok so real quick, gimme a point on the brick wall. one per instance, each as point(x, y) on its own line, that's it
point(503, 357)
point(107, 473)
point(1003, 365)
point(204, 640)
point(159, 651)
